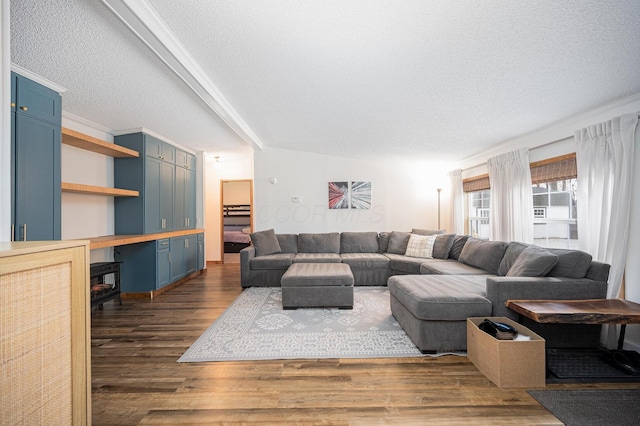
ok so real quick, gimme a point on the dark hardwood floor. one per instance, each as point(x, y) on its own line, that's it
point(136, 379)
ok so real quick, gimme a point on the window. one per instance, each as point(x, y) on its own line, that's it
point(479, 203)
point(554, 212)
point(554, 188)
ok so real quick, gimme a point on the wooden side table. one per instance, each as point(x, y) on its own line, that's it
point(593, 311)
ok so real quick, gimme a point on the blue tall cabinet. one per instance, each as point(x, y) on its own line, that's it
point(165, 177)
point(35, 160)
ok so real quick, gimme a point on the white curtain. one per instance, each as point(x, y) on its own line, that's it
point(605, 160)
point(457, 202)
point(511, 211)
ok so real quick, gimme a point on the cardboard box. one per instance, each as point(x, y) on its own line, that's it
point(507, 363)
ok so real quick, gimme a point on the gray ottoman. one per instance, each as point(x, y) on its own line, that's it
point(315, 285)
point(433, 309)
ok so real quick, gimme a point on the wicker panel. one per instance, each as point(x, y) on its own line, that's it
point(35, 346)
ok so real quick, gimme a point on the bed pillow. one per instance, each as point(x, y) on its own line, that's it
point(420, 246)
point(265, 242)
point(533, 262)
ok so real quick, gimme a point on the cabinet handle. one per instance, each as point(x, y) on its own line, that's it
point(13, 229)
point(24, 232)
point(13, 104)
point(24, 108)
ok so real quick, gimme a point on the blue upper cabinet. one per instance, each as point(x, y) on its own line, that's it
point(160, 206)
point(36, 100)
point(35, 161)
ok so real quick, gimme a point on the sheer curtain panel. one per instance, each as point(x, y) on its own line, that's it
point(511, 212)
point(604, 157)
point(457, 202)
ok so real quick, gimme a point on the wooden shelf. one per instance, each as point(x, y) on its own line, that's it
point(89, 143)
point(97, 190)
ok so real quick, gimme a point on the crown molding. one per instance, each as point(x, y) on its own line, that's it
point(150, 132)
point(558, 131)
point(38, 79)
point(145, 22)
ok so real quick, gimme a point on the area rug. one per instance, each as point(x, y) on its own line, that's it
point(598, 407)
point(255, 327)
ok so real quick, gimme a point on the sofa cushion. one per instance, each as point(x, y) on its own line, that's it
point(443, 245)
point(319, 243)
point(272, 261)
point(288, 242)
point(366, 260)
point(427, 231)
point(483, 254)
point(420, 246)
point(383, 241)
point(449, 267)
point(317, 258)
point(441, 297)
point(359, 242)
point(510, 256)
point(457, 246)
point(534, 261)
point(265, 242)
point(405, 264)
point(398, 242)
point(571, 263)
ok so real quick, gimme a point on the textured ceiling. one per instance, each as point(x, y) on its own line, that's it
point(439, 80)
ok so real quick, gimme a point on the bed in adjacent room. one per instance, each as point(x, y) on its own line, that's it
point(237, 227)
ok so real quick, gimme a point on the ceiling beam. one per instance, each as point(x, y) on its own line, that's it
point(145, 22)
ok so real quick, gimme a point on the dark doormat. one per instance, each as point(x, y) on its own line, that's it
point(598, 407)
point(584, 366)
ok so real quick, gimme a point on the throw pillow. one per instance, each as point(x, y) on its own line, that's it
point(442, 246)
point(533, 262)
point(458, 244)
point(398, 242)
point(510, 256)
point(265, 242)
point(420, 246)
point(383, 241)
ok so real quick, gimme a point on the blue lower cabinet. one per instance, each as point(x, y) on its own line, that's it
point(201, 251)
point(178, 268)
point(145, 266)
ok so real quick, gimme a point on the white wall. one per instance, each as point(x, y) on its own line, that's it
point(231, 166)
point(403, 194)
point(86, 216)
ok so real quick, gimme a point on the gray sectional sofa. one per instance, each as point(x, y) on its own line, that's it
point(432, 297)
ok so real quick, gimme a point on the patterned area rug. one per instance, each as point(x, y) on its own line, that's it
point(255, 327)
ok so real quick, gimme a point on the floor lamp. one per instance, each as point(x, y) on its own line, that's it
point(439, 190)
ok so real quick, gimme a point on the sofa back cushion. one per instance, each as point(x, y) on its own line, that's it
point(571, 263)
point(398, 242)
point(383, 241)
point(510, 256)
point(534, 261)
point(442, 246)
point(319, 243)
point(288, 242)
point(265, 242)
point(359, 242)
point(482, 254)
point(427, 231)
point(457, 246)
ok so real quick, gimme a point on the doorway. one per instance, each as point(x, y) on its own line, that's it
point(236, 217)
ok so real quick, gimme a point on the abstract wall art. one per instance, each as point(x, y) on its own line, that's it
point(350, 195)
point(361, 195)
point(338, 195)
